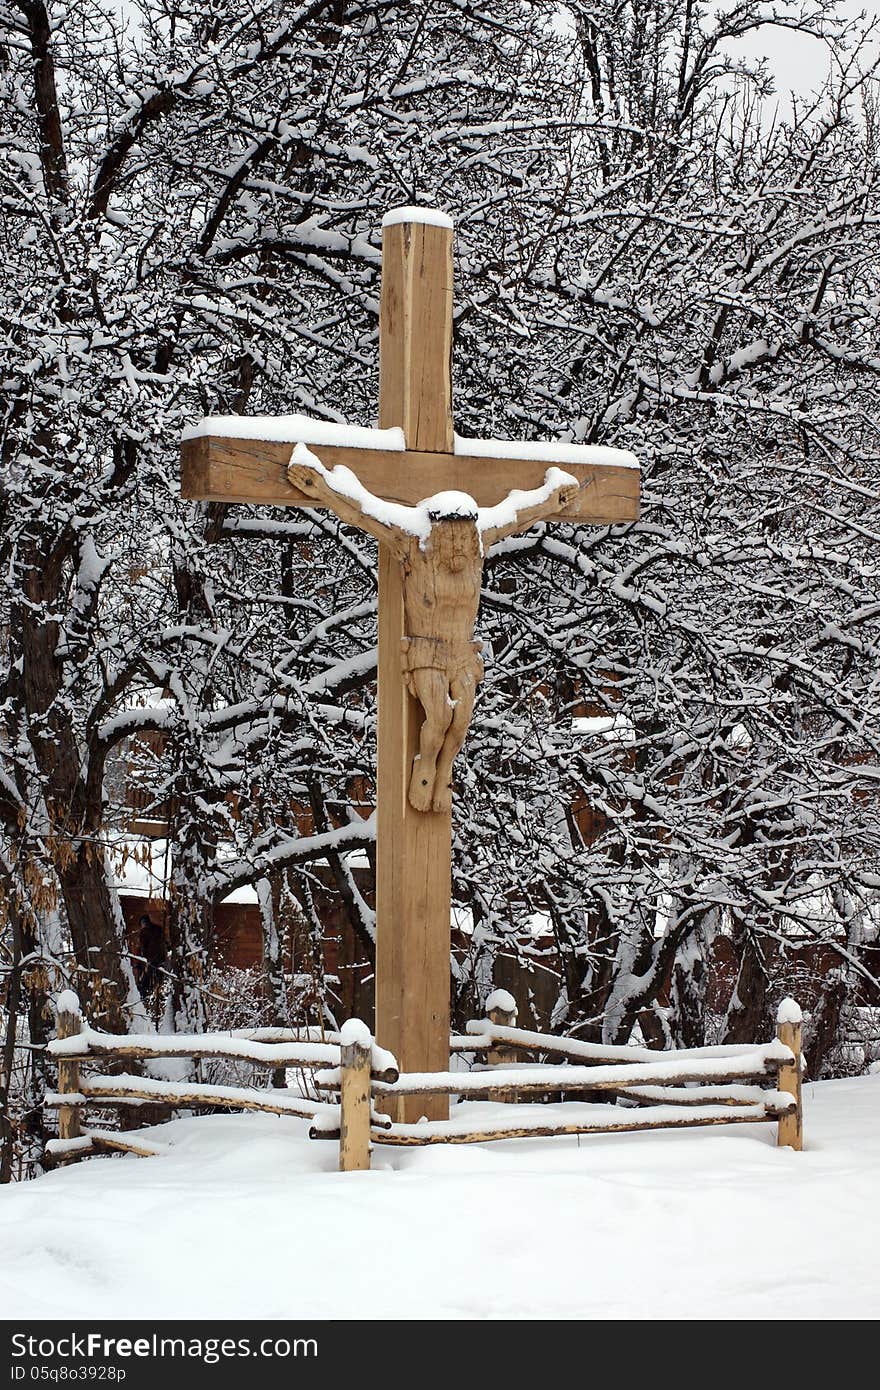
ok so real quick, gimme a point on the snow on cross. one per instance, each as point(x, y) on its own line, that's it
point(395, 483)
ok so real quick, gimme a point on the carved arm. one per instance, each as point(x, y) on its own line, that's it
point(308, 475)
point(558, 492)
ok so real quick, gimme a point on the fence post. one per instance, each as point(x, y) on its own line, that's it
point(501, 1009)
point(789, 1128)
point(355, 1100)
point(69, 1025)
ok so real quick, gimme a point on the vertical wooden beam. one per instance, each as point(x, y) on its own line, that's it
point(414, 851)
point(354, 1129)
point(790, 1127)
point(69, 1026)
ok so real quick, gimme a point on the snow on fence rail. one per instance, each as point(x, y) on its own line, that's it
point(688, 1087)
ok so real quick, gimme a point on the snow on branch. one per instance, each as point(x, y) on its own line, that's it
point(236, 873)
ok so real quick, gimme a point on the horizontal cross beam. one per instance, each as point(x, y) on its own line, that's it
point(218, 469)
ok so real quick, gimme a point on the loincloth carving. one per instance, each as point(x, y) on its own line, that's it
point(452, 659)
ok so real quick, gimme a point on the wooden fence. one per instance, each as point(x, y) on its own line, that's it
point(661, 1090)
point(306, 1050)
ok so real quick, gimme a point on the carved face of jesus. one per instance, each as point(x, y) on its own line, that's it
point(456, 543)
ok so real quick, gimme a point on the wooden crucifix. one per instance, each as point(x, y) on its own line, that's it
point(435, 503)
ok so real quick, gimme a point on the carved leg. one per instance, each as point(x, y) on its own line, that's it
point(463, 691)
point(432, 691)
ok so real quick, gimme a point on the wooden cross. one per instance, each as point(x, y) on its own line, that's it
point(431, 548)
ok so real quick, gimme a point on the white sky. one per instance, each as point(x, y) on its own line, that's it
point(800, 63)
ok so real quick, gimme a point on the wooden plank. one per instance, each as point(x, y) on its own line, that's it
point(147, 1091)
point(220, 469)
point(539, 1079)
point(301, 1056)
point(415, 335)
point(630, 1121)
point(128, 1143)
point(414, 848)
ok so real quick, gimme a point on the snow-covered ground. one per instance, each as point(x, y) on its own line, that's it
point(247, 1217)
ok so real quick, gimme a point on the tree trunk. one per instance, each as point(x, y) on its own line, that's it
point(73, 800)
point(823, 1032)
point(747, 1013)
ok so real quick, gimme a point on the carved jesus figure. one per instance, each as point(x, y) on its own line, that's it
point(440, 546)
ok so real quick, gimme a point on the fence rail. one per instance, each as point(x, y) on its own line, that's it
point(686, 1088)
point(298, 1053)
point(617, 1122)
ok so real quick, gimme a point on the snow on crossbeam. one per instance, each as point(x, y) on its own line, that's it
point(296, 429)
point(546, 451)
point(305, 429)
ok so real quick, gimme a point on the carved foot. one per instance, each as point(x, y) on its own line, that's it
point(442, 799)
point(421, 787)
